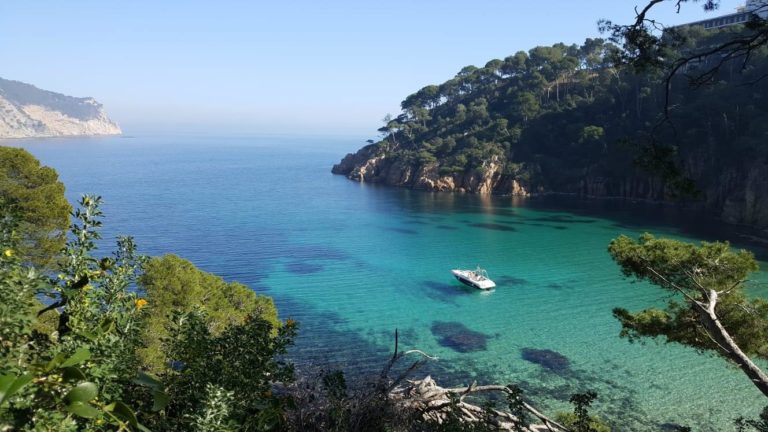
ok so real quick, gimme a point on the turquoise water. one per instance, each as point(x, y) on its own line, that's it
point(354, 262)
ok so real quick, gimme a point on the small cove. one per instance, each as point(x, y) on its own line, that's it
point(354, 262)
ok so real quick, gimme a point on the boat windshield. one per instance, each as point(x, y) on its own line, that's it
point(480, 273)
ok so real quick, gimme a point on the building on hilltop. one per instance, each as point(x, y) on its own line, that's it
point(753, 9)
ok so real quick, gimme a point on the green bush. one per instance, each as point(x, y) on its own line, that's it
point(170, 283)
point(35, 194)
point(78, 376)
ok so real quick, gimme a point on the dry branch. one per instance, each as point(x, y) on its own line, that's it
point(435, 403)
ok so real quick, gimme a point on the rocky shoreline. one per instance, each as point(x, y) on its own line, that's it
point(369, 167)
point(736, 196)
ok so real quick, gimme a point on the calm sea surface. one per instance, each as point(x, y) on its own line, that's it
point(354, 262)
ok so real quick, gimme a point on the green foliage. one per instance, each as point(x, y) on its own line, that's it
point(71, 345)
point(760, 424)
point(686, 268)
point(205, 369)
point(18, 286)
point(36, 197)
point(74, 377)
point(328, 402)
point(591, 134)
point(215, 413)
point(334, 386)
point(173, 284)
point(571, 114)
point(516, 406)
point(580, 420)
point(594, 424)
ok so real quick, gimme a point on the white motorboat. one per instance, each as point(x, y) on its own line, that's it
point(477, 278)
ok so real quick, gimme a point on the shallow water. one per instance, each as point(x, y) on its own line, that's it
point(354, 262)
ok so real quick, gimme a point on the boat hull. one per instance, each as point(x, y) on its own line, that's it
point(481, 284)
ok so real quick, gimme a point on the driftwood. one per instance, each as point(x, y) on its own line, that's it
point(436, 403)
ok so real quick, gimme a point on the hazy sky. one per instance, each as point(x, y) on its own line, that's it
point(301, 66)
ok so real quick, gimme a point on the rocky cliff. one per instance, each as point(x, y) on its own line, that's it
point(368, 165)
point(27, 111)
point(568, 120)
point(737, 194)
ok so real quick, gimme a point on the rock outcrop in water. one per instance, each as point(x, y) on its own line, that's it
point(458, 337)
point(368, 166)
point(27, 111)
point(548, 359)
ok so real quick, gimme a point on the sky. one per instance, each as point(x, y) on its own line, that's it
point(293, 66)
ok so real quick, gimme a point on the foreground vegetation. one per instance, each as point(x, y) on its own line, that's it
point(122, 342)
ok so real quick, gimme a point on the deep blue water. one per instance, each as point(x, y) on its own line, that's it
point(354, 262)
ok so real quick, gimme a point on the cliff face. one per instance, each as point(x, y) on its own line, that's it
point(27, 111)
point(367, 165)
point(738, 194)
point(742, 195)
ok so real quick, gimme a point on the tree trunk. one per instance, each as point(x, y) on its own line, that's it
point(729, 346)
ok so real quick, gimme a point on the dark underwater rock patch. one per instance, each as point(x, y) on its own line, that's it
point(303, 268)
point(442, 292)
point(458, 337)
point(562, 219)
point(670, 427)
point(312, 252)
point(403, 231)
point(504, 212)
point(506, 222)
point(445, 289)
point(416, 222)
point(493, 226)
point(548, 359)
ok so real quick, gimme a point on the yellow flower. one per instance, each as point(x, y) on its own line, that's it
point(140, 303)
point(8, 253)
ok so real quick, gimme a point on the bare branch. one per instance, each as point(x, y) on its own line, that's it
point(503, 389)
point(675, 286)
point(735, 284)
point(396, 356)
point(426, 396)
point(415, 351)
point(640, 16)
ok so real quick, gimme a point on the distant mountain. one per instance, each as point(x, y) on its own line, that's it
point(27, 111)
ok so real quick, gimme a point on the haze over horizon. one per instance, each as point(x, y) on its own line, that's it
point(304, 67)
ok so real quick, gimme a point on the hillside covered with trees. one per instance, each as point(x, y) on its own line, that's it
point(572, 119)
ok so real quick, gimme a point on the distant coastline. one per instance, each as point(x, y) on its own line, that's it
point(29, 112)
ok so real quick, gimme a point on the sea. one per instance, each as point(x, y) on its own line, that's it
point(354, 263)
